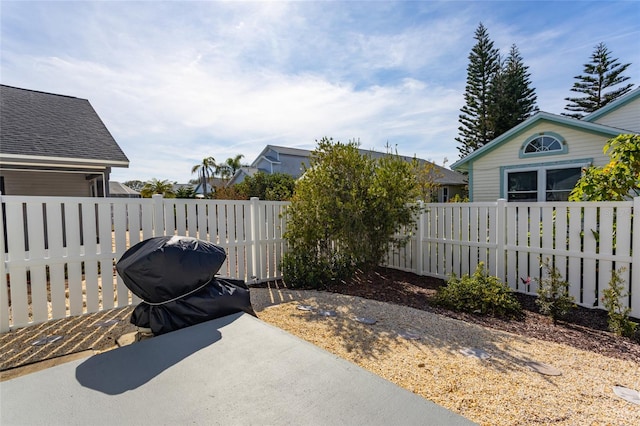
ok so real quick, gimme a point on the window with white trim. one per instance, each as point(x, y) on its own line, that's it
point(543, 144)
point(541, 184)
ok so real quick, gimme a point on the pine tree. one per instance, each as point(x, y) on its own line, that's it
point(475, 125)
point(512, 98)
point(601, 73)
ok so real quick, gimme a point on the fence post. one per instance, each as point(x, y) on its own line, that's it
point(501, 236)
point(158, 215)
point(4, 298)
point(255, 226)
point(420, 236)
point(635, 260)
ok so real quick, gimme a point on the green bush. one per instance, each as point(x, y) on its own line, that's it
point(619, 322)
point(345, 213)
point(480, 293)
point(553, 293)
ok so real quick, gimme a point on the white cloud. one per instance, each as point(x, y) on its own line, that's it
point(177, 81)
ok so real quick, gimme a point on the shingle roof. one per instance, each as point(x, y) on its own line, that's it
point(444, 176)
point(44, 124)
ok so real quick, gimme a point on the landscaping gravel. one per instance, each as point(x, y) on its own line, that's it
point(498, 389)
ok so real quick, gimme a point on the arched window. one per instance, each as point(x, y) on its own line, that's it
point(543, 144)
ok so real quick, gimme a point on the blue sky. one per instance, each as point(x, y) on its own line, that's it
point(177, 81)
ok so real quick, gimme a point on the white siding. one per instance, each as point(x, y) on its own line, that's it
point(625, 117)
point(34, 183)
point(486, 169)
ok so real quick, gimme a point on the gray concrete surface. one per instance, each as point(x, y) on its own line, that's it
point(235, 370)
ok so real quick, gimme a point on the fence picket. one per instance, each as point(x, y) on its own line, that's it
point(89, 232)
point(535, 232)
point(511, 273)
point(120, 237)
point(106, 255)
point(575, 246)
point(17, 271)
point(37, 273)
point(623, 245)
point(73, 244)
point(522, 253)
point(74, 266)
point(605, 246)
point(55, 226)
point(589, 264)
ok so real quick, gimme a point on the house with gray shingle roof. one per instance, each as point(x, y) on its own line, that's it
point(54, 145)
point(293, 161)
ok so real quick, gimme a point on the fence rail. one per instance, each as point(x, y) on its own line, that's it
point(585, 241)
point(59, 253)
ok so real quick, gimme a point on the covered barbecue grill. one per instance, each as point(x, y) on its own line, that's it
point(175, 277)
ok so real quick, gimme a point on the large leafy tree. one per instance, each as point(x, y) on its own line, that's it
point(273, 187)
point(475, 123)
point(156, 186)
point(597, 83)
point(619, 180)
point(136, 185)
point(205, 169)
point(513, 100)
point(345, 212)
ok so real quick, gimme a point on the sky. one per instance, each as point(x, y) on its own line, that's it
point(178, 81)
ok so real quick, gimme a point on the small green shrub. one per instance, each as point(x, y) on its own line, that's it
point(619, 322)
point(479, 293)
point(553, 293)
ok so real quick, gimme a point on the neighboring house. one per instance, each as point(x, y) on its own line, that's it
point(293, 161)
point(54, 145)
point(120, 190)
point(542, 158)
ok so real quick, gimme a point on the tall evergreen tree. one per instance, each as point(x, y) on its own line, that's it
point(475, 125)
point(513, 100)
point(603, 72)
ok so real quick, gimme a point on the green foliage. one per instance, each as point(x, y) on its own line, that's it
point(344, 214)
point(136, 185)
point(498, 94)
point(601, 73)
point(553, 293)
point(619, 180)
point(273, 187)
point(156, 186)
point(227, 169)
point(205, 169)
point(427, 175)
point(185, 192)
point(480, 293)
point(513, 100)
point(619, 322)
point(475, 123)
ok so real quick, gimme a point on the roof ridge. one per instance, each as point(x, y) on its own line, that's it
point(40, 91)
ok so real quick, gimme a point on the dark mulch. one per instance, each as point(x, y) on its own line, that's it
point(582, 328)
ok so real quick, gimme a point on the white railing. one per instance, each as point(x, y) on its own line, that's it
point(59, 253)
point(585, 241)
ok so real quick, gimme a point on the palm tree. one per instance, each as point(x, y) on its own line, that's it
point(230, 166)
point(205, 169)
point(156, 186)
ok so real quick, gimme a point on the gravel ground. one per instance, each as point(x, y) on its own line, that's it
point(500, 390)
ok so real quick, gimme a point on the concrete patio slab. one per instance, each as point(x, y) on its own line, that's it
point(233, 370)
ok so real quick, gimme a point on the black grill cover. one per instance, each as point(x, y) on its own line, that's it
point(175, 276)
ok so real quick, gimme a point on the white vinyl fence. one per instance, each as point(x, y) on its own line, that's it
point(585, 241)
point(59, 253)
